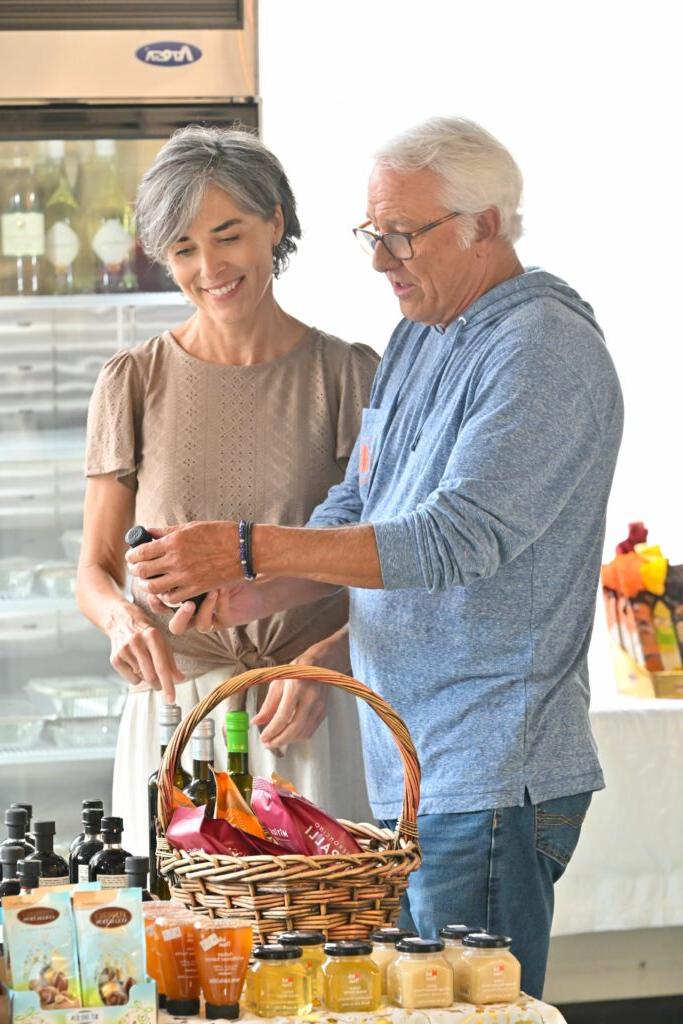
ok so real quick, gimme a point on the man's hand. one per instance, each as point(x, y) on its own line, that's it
point(294, 708)
point(187, 560)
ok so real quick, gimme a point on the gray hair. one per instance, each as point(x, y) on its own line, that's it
point(476, 170)
point(172, 190)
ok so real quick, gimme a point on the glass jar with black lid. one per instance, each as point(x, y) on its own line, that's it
point(384, 949)
point(489, 973)
point(352, 978)
point(420, 977)
point(278, 984)
point(313, 958)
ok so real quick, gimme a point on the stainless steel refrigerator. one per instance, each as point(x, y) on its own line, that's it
point(83, 84)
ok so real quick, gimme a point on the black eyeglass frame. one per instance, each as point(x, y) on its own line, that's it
point(374, 237)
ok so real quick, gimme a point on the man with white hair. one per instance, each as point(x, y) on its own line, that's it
point(469, 531)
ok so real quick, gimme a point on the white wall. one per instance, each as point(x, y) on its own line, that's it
point(586, 96)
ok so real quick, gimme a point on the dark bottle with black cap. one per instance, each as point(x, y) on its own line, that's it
point(16, 820)
point(28, 872)
point(82, 853)
point(10, 886)
point(29, 815)
point(139, 535)
point(86, 805)
point(137, 869)
point(54, 870)
point(108, 867)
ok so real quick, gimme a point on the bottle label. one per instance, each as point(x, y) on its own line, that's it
point(169, 934)
point(23, 234)
point(209, 942)
point(61, 244)
point(112, 243)
point(45, 882)
point(83, 873)
point(113, 881)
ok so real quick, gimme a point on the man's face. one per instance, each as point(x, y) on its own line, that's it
point(441, 279)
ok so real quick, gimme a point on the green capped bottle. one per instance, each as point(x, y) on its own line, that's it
point(202, 788)
point(237, 742)
point(169, 720)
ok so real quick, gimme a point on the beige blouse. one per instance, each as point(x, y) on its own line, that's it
point(201, 441)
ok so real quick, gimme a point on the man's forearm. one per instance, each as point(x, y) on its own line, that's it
point(346, 556)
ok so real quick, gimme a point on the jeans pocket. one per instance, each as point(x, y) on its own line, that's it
point(558, 826)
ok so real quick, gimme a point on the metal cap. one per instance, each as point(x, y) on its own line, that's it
point(206, 730)
point(170, 714)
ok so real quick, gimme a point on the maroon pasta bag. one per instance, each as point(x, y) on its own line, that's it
point(298, 825)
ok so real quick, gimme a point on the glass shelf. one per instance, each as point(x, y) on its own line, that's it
point(53, 755)
point(113, 300)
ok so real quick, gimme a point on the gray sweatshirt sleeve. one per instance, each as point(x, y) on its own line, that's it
point(529, 435)
point(343, 505)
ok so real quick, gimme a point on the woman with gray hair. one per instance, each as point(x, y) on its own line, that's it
point(241, 411)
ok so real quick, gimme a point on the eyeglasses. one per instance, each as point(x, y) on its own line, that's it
point(398, 244)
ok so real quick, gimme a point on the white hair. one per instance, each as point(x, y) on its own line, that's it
point(476, 170)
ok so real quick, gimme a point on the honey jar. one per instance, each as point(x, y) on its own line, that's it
point(175, 937)
point(352, 978)
point(222, 949)
point(452, 935)
point(311, 944)
point(420, 977)
point(384, 949)
point(489, 973)
point(278, 984)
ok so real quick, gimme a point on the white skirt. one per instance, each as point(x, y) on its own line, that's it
point(327, 769)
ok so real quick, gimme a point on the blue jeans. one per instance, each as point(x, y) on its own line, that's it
point(496, 870)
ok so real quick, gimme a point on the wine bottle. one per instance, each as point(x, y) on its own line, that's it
point(62, 242)
point(83, 852)
point(202, 788)
point(10, 886)
point(136, 875)
point(54, 870)
point(108, 867)
point(15, 820)
point(169, 720)
point(23, 231)
point(29, 816)
point(237, 741)
point(111, 234)
point(86, 805)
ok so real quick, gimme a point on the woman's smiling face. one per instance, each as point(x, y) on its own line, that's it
point(223, 263)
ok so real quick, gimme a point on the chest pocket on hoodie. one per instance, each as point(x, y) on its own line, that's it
point(370, 438)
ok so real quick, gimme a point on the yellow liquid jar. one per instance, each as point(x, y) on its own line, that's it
point(352, 978)
point(420, 977)
point(278, 984)
point(453, 949)
point(311, 945)
point(384, 949)
point(489, 973)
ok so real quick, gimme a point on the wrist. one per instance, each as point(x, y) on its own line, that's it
point(119, 611)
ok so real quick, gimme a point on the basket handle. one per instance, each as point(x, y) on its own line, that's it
point(406, 826)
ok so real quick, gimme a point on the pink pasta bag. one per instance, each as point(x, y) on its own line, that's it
point(190, 829)
point(298, 825)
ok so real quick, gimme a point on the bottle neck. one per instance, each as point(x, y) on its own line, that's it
point(45, 844)
point(238, 762)
point(91, 832)
point(202, 750)
point(112, 843)
point(201, 770)
point(16, 832)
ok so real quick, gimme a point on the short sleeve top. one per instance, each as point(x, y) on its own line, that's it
point(202, 441)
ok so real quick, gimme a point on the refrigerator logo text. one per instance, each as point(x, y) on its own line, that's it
point(168, 54)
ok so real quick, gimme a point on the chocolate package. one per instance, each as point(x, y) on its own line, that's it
point(190, 829)
point(111, 944)
point(40, 944)
point(298, 825)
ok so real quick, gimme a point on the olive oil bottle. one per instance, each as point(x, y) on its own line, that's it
point(54, 870)
point(108, 867)
point(83, 852)
point(202, 788)
point(86, 805)
point(237, 742)
point(169, 720)
point(16, 821)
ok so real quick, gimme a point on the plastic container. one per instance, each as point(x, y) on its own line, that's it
point(489, 973)
point(16, 577)
point(150, 912)
point(420, 977)
point(176, 945)
point(223, 947)
point(81, 696)
point(55, 579)
point(352, 978)
point(278, 984)
point(384, 949)
point(21, 725)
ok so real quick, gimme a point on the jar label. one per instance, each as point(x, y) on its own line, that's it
point(62, 880)
point(209, 942)
point(169, 934)
point(83, 873)
point(23, 234)
point(61, 244)
point(112, 243)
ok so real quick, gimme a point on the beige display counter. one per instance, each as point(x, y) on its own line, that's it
point(525, 1011)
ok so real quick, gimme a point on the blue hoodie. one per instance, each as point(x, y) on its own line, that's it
point(484, 463)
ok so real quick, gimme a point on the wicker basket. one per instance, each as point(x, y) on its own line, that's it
point(344, 896)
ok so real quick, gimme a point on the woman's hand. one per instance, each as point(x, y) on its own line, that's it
point(139, 651)
point(228, 606)
point(294, 708)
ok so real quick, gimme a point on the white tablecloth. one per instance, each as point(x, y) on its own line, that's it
point(627, 872)
point(527, 1011)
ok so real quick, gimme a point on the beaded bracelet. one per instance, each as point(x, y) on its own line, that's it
point(244, 533)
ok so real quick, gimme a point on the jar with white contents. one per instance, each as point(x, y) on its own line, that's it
point(384, 950)
point(489, 973)
point(420, 978)
point(452, 935)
